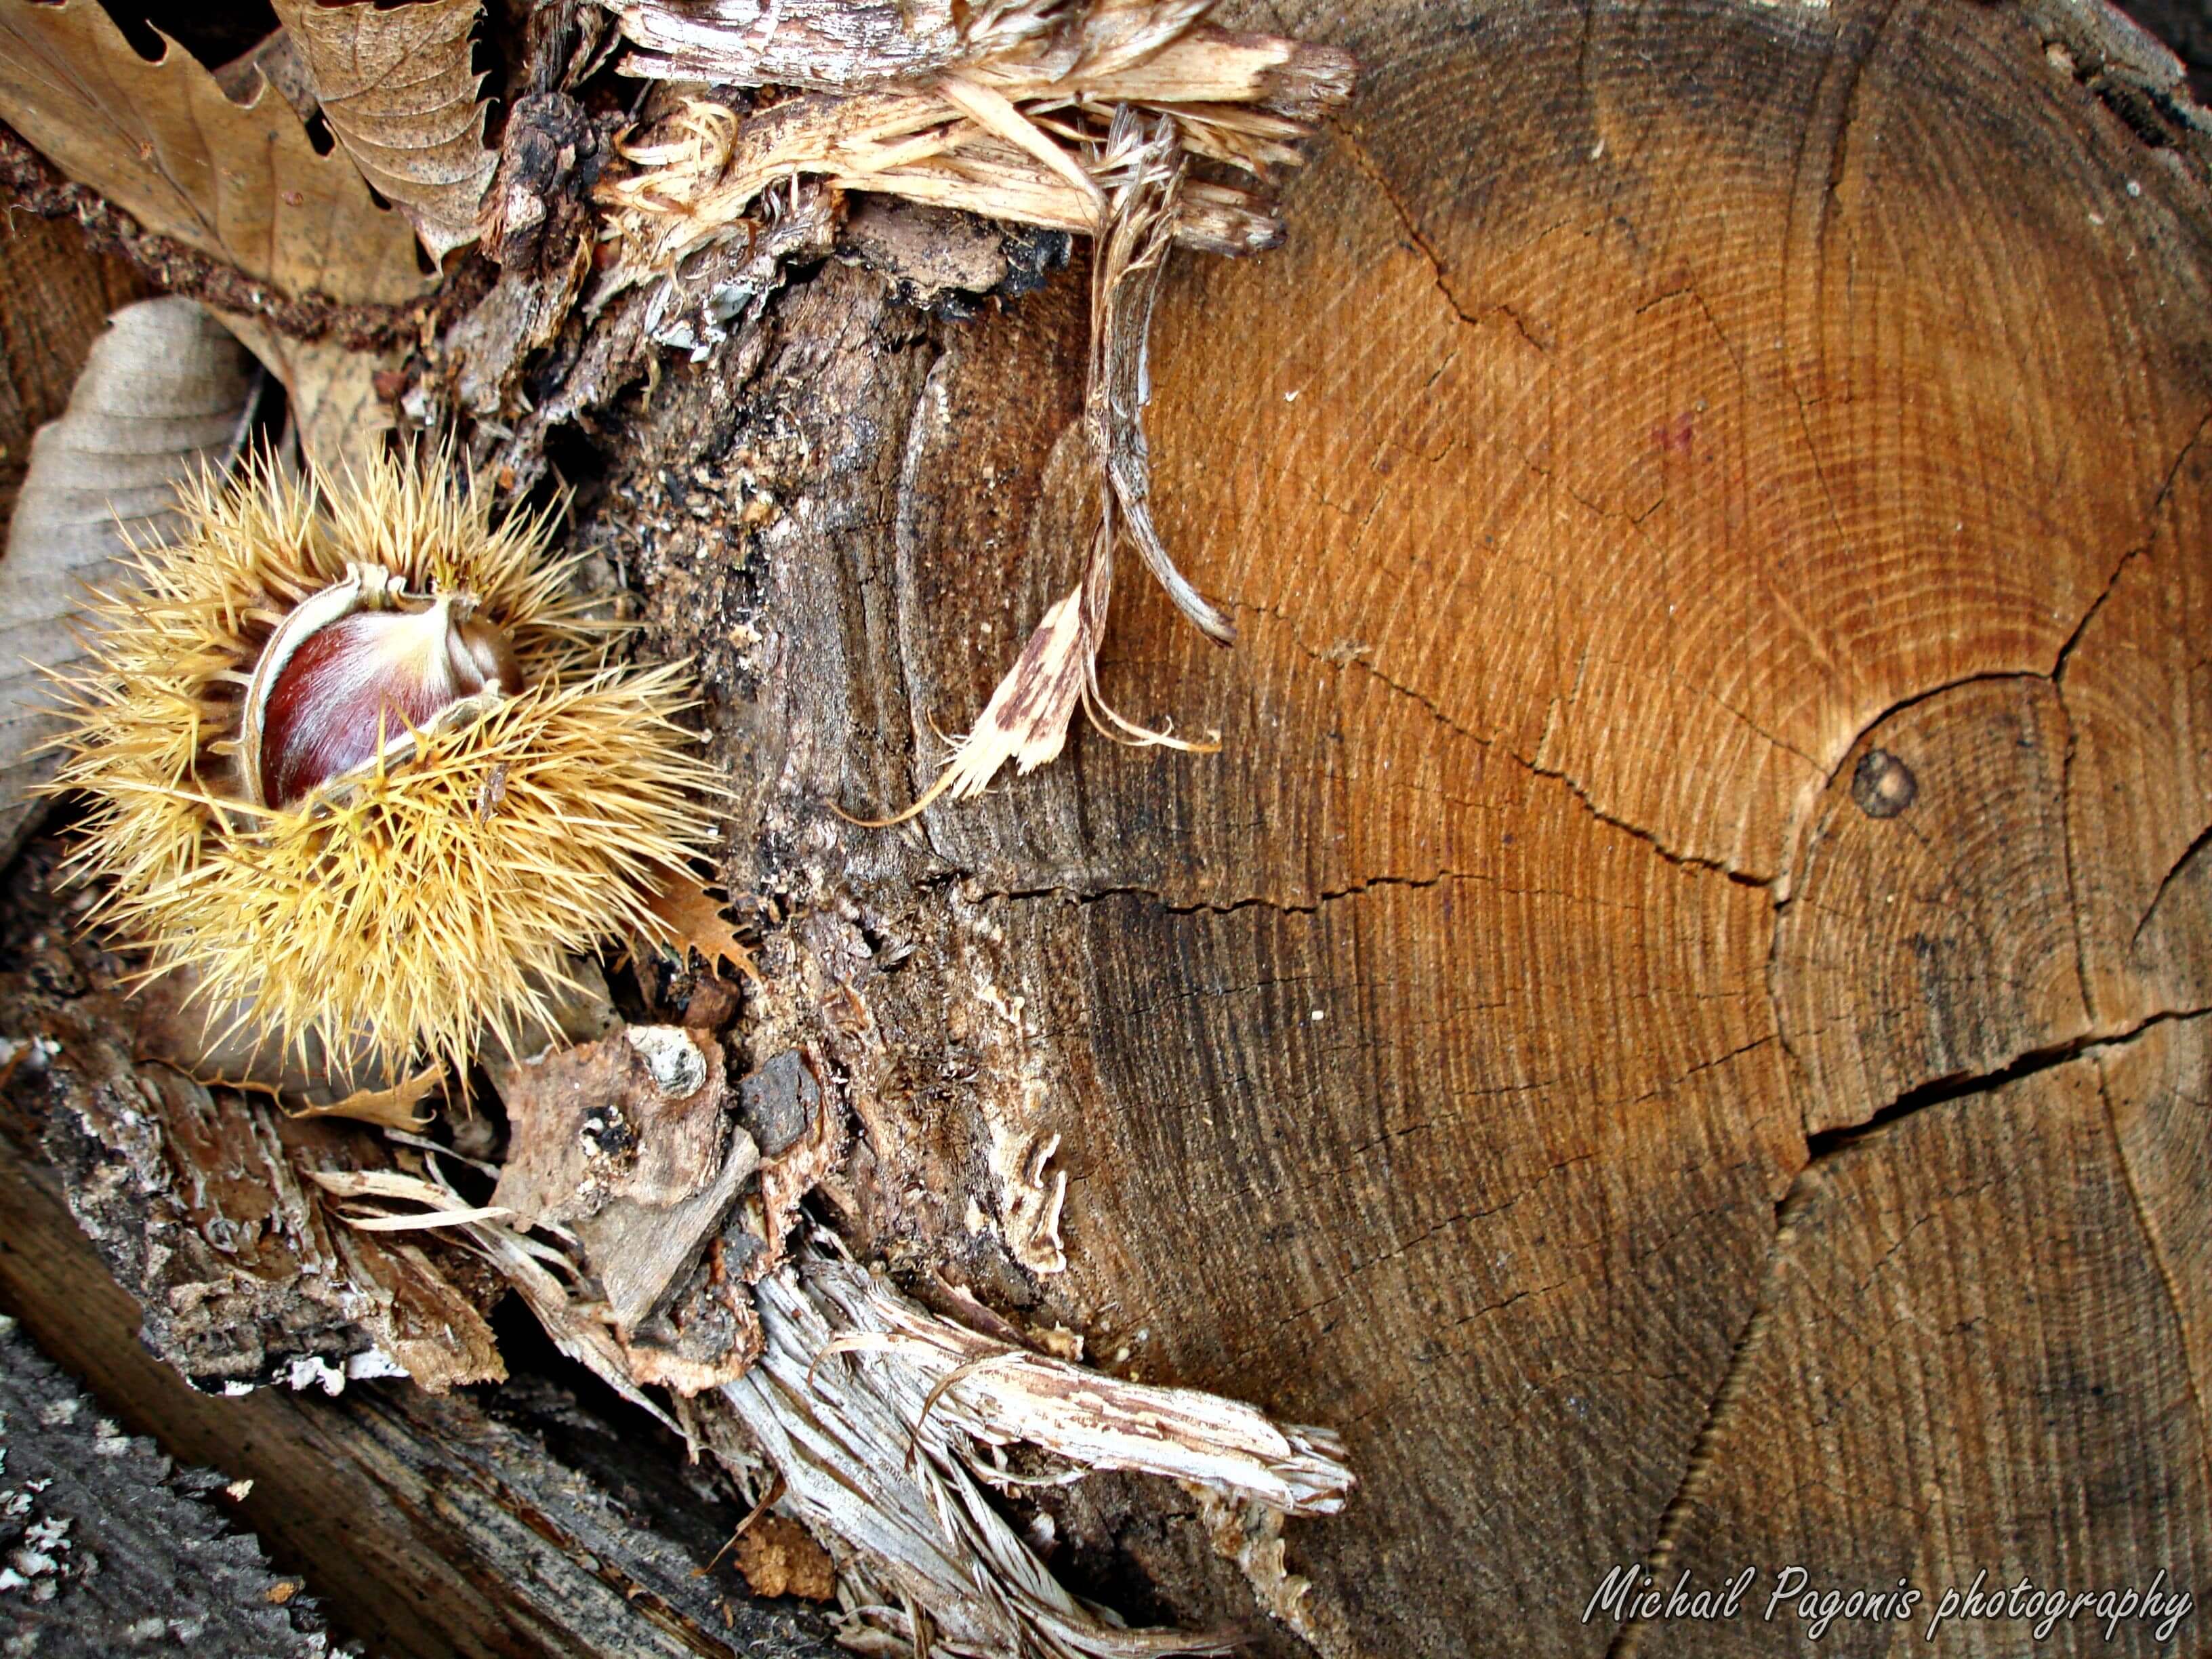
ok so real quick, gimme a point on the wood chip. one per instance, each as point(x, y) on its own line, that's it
point(779, 1556)
point(638, 1115)
point(638, 1251)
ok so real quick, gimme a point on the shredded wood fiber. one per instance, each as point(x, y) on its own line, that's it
point(887, 1422)
point(881, 1426)
point(1002, 112)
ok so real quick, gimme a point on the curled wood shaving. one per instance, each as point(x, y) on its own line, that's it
point(877, 1415)
point(1027, 718)
point(396, 86)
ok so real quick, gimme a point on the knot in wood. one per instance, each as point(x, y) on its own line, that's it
point(1883, 785)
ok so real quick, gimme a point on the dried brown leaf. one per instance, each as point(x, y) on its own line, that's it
point(396, 86)
point(390, 1108)
point(333, 403)
point(276, 58)
point(693, 917)
point(164, 392)
point(238, 181)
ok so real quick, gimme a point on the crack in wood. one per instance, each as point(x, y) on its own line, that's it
point(1686, 860)
point(1828, 1143)
point(1821, 1150)
point(1358, 151)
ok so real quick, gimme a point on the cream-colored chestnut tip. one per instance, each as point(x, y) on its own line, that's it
point(357, 761)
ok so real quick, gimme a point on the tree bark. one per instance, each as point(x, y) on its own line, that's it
point(528, 1522)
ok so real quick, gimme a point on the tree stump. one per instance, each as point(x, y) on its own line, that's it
point(1675, 1020)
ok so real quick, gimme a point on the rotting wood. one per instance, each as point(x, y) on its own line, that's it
point(431, 1528)
point(110, 1549)
point(202, 1200)
point(640, 1251)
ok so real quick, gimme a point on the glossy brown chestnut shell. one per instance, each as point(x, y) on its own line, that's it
point(352, 671)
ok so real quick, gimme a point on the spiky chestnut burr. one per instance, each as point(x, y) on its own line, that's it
point(357, 761)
